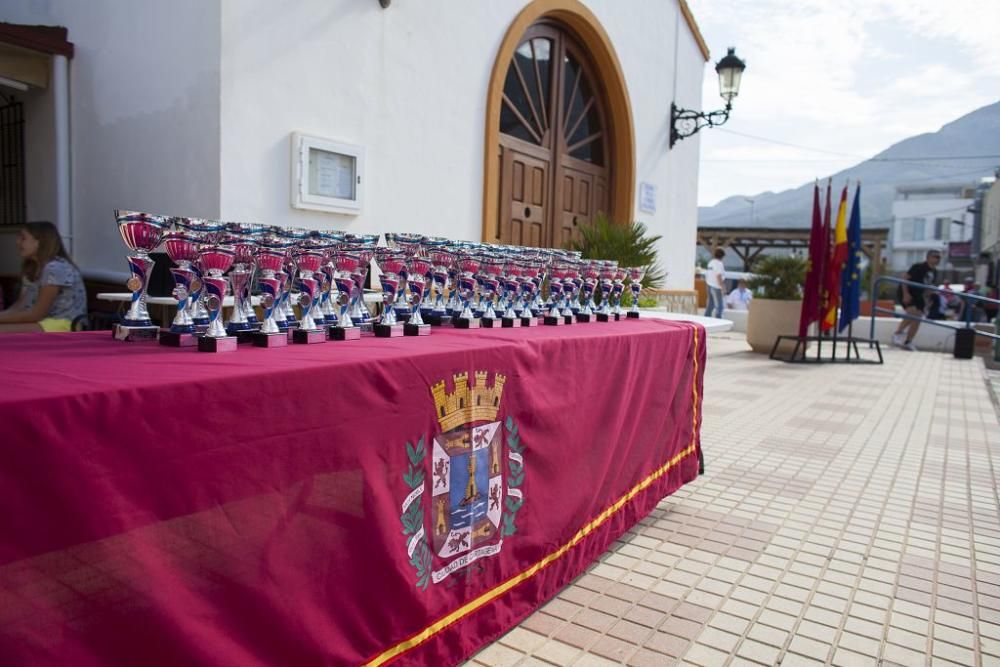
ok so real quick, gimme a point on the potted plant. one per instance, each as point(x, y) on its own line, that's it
point(777, 302)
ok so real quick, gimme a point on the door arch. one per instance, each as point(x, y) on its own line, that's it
point(559, 139)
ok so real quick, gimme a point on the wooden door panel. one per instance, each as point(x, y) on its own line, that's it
point(525, 191)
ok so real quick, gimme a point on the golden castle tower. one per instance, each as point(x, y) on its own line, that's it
point(470, 490)
point(467, 404)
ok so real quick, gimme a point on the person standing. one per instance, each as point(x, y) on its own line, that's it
point(714, 276)
point(912, 298)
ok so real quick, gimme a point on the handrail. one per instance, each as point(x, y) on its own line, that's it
point(965, 296)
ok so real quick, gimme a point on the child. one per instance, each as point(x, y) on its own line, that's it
point(52, 293)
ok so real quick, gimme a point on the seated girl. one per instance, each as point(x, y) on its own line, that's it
point(52, 293)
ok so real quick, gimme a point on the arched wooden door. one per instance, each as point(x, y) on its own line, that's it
point(553, 144)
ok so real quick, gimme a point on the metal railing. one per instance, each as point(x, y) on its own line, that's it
point(967, 301)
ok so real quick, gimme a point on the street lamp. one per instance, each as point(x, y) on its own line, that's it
point(751, 200)
point(686, 122)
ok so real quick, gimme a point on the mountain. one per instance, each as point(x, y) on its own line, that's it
point(977, 133)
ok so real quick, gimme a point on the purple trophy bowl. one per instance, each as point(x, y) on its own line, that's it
point(216, 259)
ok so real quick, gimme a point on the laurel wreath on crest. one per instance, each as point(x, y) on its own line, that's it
point(413, 516)
point(515, 478)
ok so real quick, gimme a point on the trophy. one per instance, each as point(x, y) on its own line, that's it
point(391, 262)
point(556, 274)
point(182, 249)
point(239, 278)
point(270, 258)
point(346, 263)
point(206, 231)
point(468, 265)
point(529, 288)
point(291, 236)
point(607, 274)
point(492, 267)
point(409, 245)
point(617, 289)
point(635, 275)
point(417, 267)
point(253, 233)
point(309, 259)
point(215, 260)
point(441, 261)
point(141, 233)
point(329, 239)
point(591, 273)
point(364, 245)
point(512, 310)
point(571, 291)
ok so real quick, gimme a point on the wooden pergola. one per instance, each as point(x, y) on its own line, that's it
point(749, 242)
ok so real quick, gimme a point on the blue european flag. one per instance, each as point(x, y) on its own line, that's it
point(850, 279)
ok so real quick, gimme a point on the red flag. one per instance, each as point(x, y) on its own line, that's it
point(838, 257)
point(814, 278)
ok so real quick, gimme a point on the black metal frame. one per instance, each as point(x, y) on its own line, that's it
point(799, 356)
point(692, 121)
point(13, 209)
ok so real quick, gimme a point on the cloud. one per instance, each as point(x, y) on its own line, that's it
point(852, 77)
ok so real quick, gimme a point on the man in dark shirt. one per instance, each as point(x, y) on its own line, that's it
point(912, 298)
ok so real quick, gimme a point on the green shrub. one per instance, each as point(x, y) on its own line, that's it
point(627, 244)
point(779, 277)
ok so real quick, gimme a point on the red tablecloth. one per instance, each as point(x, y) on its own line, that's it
point(332, 504)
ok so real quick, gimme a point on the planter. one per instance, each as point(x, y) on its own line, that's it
point(770, 318)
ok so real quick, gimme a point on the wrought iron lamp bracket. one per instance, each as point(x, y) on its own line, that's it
point(686, 122)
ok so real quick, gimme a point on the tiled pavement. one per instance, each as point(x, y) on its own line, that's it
point(849, 516)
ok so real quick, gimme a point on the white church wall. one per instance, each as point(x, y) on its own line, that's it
point(144, 116)
point(409, 84)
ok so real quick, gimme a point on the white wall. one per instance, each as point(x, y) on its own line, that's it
point(144, 94)
point(929, 209)
point(409, 83)
point(662, 63)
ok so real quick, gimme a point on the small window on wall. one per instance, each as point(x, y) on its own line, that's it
point(327, 175)
point(911, 229)
point(942, 228)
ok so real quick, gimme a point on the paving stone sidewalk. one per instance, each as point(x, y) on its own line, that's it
point(848, 516)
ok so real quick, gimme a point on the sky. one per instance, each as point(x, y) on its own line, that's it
point(839, 80)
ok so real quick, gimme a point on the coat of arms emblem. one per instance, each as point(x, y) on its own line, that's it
point(470, 483)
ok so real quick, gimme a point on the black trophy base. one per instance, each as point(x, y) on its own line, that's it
point(633, 315)
point(489, 322)
point(438, 320)
point(209, 344)
point(583, 318)
point(245, 336)
point(308, 336)
point(608, 317)
point(174, 339)
point(510, 322)
point(129, 334)
point(416, 329)
point(531, 321)
point(343, 333)
point(279, 339)
point(554, 320)
point(569, 319)
point(466, 322)
point(388, 330)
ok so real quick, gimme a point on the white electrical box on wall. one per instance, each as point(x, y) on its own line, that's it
point(327, 175)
